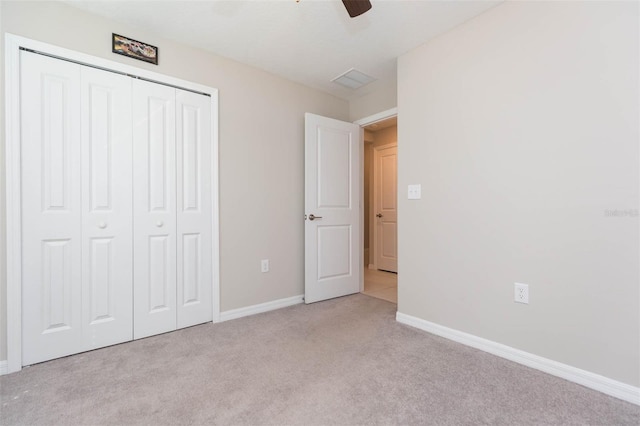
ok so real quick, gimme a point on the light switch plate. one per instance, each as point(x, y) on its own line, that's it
point(415, 192)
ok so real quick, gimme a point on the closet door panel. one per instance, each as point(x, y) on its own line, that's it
point(51, 208)
point(107, 218)
point(154, 206)
point(194, 212)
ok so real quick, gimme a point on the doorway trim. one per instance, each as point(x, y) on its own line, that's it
point(13, 302)
point(390, 113)
point(365, 121)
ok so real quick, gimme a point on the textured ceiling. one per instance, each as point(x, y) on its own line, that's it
point(310, 41)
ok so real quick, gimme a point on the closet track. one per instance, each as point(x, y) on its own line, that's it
point(137, 77)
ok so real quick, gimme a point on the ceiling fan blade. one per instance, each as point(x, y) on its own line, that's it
point(356, 7)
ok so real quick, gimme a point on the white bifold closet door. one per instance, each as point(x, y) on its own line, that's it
point(154, 207)
point(76, 208)
point(172, 208)
point(116, 208)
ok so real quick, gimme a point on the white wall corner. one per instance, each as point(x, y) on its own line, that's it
point(585, 378)
point(260, 308)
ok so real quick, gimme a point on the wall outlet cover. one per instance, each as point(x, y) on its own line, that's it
point(414, 192)
point(521, 293)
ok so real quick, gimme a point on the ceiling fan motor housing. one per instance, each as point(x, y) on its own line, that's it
point(356, 7)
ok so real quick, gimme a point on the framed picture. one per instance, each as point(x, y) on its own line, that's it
point(134, 49)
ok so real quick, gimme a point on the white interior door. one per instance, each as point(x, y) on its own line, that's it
point(332, 208)
point(107, 255)
point(194, 214)
point(386, 213)
point(154, 208)
point(51, 208)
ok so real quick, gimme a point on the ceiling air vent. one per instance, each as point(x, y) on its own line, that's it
point(353, 79)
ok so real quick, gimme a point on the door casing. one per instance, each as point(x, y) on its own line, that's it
point(366, 121)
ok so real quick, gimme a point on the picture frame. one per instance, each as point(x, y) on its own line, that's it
point(126, 46)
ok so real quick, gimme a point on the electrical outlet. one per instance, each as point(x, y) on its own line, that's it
point(521, 293)
point(264, 265)
point(414, 192)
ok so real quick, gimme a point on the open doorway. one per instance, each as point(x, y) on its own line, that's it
point(380, 207)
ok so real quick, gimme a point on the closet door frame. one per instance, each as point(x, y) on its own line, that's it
point(13, 302)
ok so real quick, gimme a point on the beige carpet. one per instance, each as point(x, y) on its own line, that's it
point(344, 361)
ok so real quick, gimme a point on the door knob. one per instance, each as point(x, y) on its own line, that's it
point(313, 217)
point(159, 224)
point(379, 215)
point(102, 225)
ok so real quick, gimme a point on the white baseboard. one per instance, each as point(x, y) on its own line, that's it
point(4, 368)
point(585, 378)
point(262, 307)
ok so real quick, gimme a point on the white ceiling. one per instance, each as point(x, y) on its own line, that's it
point(310, 42)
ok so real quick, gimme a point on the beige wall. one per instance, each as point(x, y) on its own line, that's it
point(261, 148)
point(381, 98)
point(385, 136)
point(368, 198)
point(522, 126)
